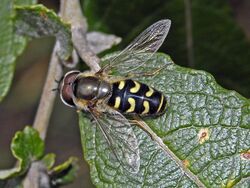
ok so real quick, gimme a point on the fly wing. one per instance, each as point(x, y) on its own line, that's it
point(120, 137)
point(133, 56)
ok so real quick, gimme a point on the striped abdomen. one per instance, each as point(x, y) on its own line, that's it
point(130, 96)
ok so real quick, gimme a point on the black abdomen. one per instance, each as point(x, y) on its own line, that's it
point(130, 96)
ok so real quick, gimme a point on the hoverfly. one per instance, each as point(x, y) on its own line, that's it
point(108, 98)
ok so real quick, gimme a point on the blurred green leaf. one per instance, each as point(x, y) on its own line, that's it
point(49, 160)
point(11, 45)
point(219, 43)
point(25, 2)
point(64, 173)
point(38, 21)
point(26, 146)
point(7, 57)
point(206, 127)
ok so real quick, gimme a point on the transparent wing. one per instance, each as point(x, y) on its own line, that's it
point(133, 56)
point(120, 137)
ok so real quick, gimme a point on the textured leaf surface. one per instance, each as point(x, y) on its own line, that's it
point(11, 45)
point(26, 146)
point(206, 127)
point(37, 21)
point(21, 41)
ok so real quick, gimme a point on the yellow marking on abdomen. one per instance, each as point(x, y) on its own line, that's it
point(146, 107)
point(131, 101)
point(136, 88)
point(150, 92)
point(159, 108)
point(121, 85)
point(117, 102)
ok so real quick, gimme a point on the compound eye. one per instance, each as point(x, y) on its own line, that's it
point(66, 90)
point(86, 88)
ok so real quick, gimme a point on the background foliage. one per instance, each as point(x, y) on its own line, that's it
point(220, 45)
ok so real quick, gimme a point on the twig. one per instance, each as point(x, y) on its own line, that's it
point(47, 100)
point(71, 11)
point(189, 36)
point(37, 176)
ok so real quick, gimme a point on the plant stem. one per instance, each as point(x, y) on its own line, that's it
point(47, 100)
point(37, 176)
point(71, 11)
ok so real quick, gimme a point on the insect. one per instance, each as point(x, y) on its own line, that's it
point(109, 99)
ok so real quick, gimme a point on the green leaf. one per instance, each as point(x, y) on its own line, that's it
point(244, 184)
point(49, 160)
point(20, 41)
point(11, 45)
point(64, 173)
point(202, 138)
point(38, 21)
point(7, 58)
point(26, 146)
point(25, 2)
